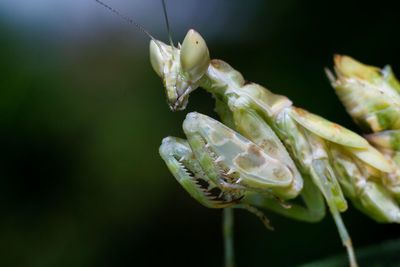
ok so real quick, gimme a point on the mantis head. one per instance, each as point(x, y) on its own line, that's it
point(181, 68)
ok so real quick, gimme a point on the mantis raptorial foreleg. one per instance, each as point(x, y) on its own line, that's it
point(215, 183)
point(219, 167)
point(250, 124)
point(312, 211)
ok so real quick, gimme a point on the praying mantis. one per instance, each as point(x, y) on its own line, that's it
point(320, 149)
point(266, 152)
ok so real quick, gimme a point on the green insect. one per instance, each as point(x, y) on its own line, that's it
point(314, 143)
point(372, 97)
point(271, 153)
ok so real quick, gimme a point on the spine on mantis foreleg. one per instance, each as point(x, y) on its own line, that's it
point(180, 160)
point(372, 97)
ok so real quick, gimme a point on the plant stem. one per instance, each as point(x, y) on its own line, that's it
point(227, 229)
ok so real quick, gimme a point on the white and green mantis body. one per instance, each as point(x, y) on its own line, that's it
point(272, 151)
point(320, 149)
point(372, 97)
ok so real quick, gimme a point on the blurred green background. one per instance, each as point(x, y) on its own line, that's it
point(82, 115)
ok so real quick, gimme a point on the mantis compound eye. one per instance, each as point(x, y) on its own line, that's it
point(160, 54)
point(156, 58)
point(195, 57)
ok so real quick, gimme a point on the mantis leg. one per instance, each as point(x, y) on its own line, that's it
point(180, 157)
point(250, 124)
point(224, 113)
point(312, 211)
point(324, 177)
point(180, 160)
point(182, 163)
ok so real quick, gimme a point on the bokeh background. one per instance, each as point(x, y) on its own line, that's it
point(82, 115)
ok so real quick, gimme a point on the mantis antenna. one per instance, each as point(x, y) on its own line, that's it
point(166, 20)
point(132, 22)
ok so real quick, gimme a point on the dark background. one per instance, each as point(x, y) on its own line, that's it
point(82, 115)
